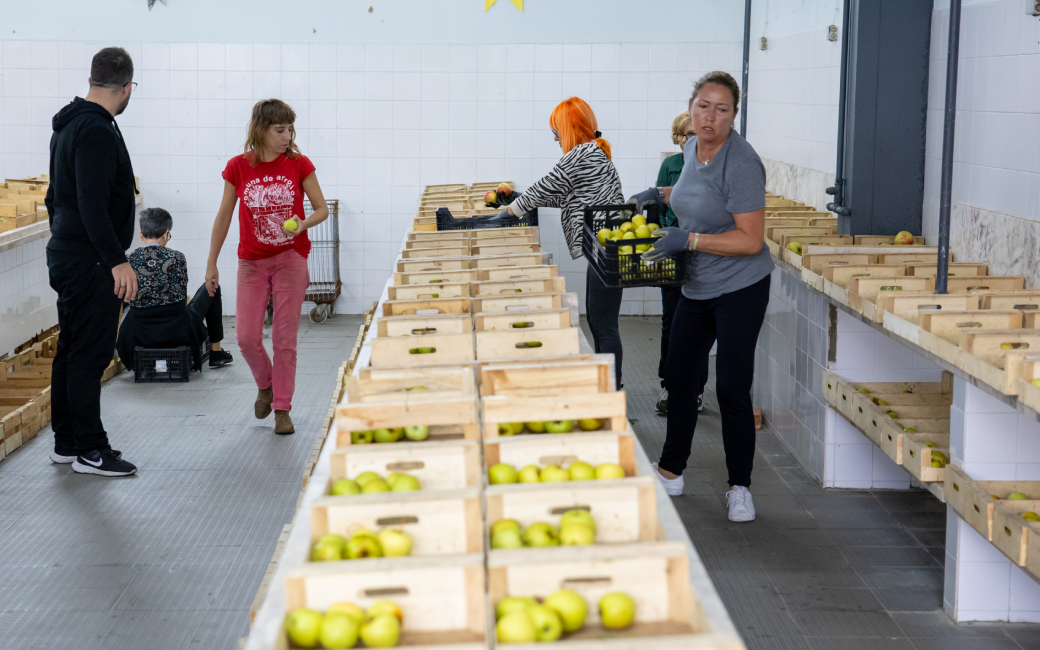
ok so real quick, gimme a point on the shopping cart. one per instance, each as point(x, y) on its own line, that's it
point(323, 263)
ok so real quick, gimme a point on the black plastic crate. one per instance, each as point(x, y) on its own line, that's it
point(447, 222)
point(177, 361)
point(621, 270)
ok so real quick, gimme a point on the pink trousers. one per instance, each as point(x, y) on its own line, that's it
point(284, 275)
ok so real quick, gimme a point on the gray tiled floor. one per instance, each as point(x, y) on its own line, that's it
point(171, 558)
point(819, 570)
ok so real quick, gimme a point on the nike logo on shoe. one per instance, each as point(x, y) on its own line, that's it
point(90, 462)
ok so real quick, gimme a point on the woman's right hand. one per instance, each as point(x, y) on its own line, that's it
point(212, 279)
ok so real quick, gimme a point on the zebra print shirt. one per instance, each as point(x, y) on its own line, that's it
point(584, 176)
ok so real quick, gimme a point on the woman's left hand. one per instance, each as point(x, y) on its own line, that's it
point(301, 225)
point(674, 240)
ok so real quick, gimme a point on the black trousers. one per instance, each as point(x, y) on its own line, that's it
point(670, 301)
point(88, 315)
point(735, 318)
point(209, 310)
point(602, 306)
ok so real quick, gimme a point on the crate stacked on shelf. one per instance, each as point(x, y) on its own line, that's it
point(21, 202)
point(25, 393)
point(462, 201)
point(475, 390)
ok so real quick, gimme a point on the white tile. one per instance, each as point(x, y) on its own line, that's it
point(155, 56)
point(17, 54)
point(520, 87)
point(239, 85)
point(70, 83)
point(406, 115)
point(436, 86)
point(267, 57)
point(433, 143)
point(211, 56)
point(462, 144)
point(321, 115)
point(606, 57)
point(350, 57)
point(407, 58)
point(43, 55)
point(405, 171)
point(295, 86)
point(463, 86)
point(433, 115)
point(855, 350)
point(634, 57)
point(350, 85)
point(407, 86)
point(211, 85)
point(294, 57)
point(436, 58)
point(156, 112)
point(379, 115)
point(73, 56)
point(576, 84)
point(978, 401)
point(267, 84)
point(184, 84)
point(548, 58)
point(663, 57)
point(577, 58)
point(462, 115)
point(987, 580)
point(490, 144)
point(491, 115)
point(44, 83)
point(322, 57)
point(853, 462)
point(548, 86)
point(378, 143)
point(519, 58)
point(379, 86)
point(211, 112)
point(463, 58)
point(632, 115)
point(633, 86)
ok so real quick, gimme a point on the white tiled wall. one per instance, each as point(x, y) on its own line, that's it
point(27, 303)
point(379, 121)
point(997, 152)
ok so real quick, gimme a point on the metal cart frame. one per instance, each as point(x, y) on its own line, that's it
point(323, 263)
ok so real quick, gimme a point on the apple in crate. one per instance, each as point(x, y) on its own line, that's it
point(903, 238)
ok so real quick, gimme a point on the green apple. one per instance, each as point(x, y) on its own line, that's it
point(928, 443)
point(578, 516)
point(581, 471)
point(535, 427)
point(610, 470)
point(405, 483)
point(345, 486)
point(303, 626)
point(521, 325)
point(642, 232)
point(570, 606)
point(384, 435)
point(541, 534)
point(364, 532)
point(1035, 382)
point(381, 631)
point(559, 426)
point(417, 432)
point(502, 474)
point(510, 428)
point(617, 610)
point(507, 606)
point(373, 487)
point(1030, 516)
point(507, 538)
point(516, 627)
point(327, 553)
point(552, 474)
point(909, 429)
point(365, 477)
point(386, 607)
point(505, 524)
point(602, 236)
point(880, 402)
point(362, 546)
point(347, 609)
point(864, 391)
point(360, 437)
point(547, 623)
point(575, 534)
point(333, 540)
point(1016, 496)
point(892, 414)
point(395, 543)
point(532, 344)
point(590, 424)
point(529, 474)
point(339, 631)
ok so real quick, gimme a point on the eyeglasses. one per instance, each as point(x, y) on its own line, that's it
point(131, 83)
point(555, 132)
point(683, 136)
point(169, 235)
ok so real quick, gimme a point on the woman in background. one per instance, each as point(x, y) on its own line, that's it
point(270, 178)
point(584, 176)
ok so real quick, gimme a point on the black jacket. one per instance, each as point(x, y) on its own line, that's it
point(90, 199)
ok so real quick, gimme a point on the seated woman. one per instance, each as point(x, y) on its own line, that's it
point(160, 317)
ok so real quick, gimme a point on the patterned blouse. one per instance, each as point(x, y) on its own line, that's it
point(162, 276)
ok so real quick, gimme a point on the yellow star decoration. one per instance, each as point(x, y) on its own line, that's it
point(489, 3)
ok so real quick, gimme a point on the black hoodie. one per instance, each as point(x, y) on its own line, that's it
point(91, 194)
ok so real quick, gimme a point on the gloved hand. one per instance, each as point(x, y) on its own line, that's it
point(640, 199)
point(500, 215)
point(675, 240)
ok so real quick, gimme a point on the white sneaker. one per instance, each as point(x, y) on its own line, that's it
point(673, 487)
point(741, 508)
point(61, 460)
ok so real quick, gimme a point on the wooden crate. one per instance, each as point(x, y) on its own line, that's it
point(424, 325)
point(911, 307)
point(435, 277)
point(949, 325)
point(439, 465)
point(439, 235)
point(840, 274)
point(492, 233)
point(625, 509)
point(984, 283)
point(507, 238)
point(433, 253)
point(593, 447)
point(448, 419)
point(422, 350)
point(1010, 531)
point(775, 233)
point(391, 384)
point(930, 256)
point(434, 265)
point(442, 598)
point(512, 287)
point(429, 291)
point(517, 302)
point(955, 269)
point(518, 273)
point(1026, 299)
point(917, 457)
point(426, 307)
point(973, 500)
point(443, 522)
point(875, 240)
point(540, 319)
point(817, 262)
point(500, 409)
point(430, 244)
point(548, 378)
point(499, 261)
point(504, 249)
point(519, 344)
point(654, 574)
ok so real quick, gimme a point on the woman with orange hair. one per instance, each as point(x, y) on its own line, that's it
point(584, 176)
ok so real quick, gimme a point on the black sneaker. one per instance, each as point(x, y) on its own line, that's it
point(63, 459)
point(219, 358)
point(103, 463)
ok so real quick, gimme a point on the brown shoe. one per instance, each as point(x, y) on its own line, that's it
point(262, 407)
point(283, 425)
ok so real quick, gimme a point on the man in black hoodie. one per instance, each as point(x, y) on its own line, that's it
point(91, 205)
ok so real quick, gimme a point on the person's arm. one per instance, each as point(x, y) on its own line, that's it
point(548, 191)
point(181, 271)
point(746, 239)
point(221, 225)
point(312, 189)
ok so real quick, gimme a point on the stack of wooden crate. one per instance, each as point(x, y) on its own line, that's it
point(476, 331)
point(25, 391)
point(461, 200)
point(21, 202)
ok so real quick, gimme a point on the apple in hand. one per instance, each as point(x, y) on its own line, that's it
point(290, 225)
point(380, 631)
point(303, 626)
point(570, 606)
point(617, 610)
point(559, 426)
point(417, 432)
point(490, 198)
point(502, 474)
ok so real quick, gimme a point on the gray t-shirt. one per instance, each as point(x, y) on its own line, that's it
point(705, 198)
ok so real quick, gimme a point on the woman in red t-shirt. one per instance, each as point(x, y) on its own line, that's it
point(271, 178)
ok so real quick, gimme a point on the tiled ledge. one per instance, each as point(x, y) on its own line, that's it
point(24, 235)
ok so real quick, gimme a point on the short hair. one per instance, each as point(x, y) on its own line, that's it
point(111, 67)
point(267, 113)
point(721, 78)
point(155, 222)
point(680, 122)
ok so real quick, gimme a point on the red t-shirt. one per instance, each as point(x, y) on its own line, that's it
point(269, 194)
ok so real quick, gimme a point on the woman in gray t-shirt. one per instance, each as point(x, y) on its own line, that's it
point(719, 200)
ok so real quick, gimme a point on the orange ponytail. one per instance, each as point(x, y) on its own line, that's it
point(576, 124)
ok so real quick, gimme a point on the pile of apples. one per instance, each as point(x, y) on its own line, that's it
point(413, 433)
point(577, 528)
point(496, 197)
point(343, 624)
point(362, 543)
point(504, 473)
point(371, 483)
point(1019, 496)
point(550, 426)
point(524, 620)
point(637, 228)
